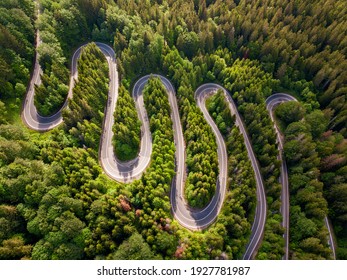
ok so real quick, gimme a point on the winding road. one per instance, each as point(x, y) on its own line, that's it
point(126, 172)
point(259, 222)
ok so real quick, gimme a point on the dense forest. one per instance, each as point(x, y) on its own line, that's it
point(57, 203)
point(127, 127)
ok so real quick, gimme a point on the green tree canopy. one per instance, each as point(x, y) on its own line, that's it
point(135, 248)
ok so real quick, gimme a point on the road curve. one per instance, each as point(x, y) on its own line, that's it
point(196, 219)
point(271, 102)
point(189, 218)
point(259, 222)
point(30, 115)
point(261, 209)
point(128, 171)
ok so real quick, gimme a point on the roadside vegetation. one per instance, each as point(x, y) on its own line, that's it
point(126, 128)
point(238, 211)
point(84, 116)
point(55, 201)
point(201, 147)
point(308, 208)
point(62, 28)
point(17, 52)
